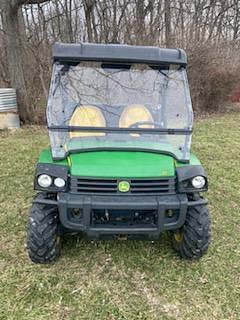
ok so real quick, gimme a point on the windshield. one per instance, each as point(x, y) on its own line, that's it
point(101, 106)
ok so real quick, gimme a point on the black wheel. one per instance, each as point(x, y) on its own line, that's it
point(43, 242)
point(193, 239)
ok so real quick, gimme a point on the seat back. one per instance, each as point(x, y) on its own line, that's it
point(87, 116)
point(135, 113)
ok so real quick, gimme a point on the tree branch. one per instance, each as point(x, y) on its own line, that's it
point(23, 2)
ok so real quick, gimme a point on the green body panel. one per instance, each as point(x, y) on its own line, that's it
point(122, 164)
point(46, 157)
point(119, 164)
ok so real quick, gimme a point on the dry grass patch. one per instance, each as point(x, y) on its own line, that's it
point(122, 280)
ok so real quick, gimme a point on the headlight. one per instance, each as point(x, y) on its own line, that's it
point(59, 182)
point(44, 180)
point(198, 182)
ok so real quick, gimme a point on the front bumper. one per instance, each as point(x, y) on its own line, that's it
point(88, 203)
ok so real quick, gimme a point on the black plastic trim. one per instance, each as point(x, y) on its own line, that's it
point(46, 201)
point(65, 52)
point(66, 201)
point(186, 173)
point(53, 170)
point(138, 186)
point(55, 202)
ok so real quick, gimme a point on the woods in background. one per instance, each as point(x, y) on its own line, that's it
point(209, 30)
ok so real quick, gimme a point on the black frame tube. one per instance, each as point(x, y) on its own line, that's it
point(121, 130)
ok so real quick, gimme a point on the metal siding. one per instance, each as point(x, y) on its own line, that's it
point(8, 101)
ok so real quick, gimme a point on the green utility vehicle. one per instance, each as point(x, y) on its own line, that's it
point(119, 166)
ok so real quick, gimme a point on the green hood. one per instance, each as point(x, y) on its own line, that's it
point(121, 164)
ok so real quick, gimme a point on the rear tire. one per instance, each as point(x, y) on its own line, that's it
point(193, 239)
point(43, 241)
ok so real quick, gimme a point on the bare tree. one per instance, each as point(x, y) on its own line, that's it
point(29, 27)
point(167, 19)
point(13, 29)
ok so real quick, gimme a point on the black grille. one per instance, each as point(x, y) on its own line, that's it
point(110, 186)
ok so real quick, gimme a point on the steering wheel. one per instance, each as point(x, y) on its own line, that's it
point(140, 123)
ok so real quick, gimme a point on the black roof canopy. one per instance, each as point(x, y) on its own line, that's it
point(65, 52)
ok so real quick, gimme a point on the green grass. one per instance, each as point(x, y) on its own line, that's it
point(122, 280)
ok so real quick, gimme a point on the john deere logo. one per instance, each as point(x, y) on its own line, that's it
point(123, 186)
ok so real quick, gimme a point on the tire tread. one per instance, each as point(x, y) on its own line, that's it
point(42, 243)
point(196, 234)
